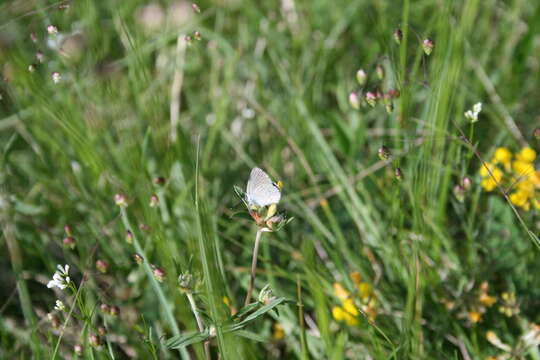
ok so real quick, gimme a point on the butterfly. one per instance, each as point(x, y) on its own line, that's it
point(261, 190)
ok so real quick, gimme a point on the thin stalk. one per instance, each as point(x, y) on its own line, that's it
point(159, 292)
point(253, 266)
point(301, 319)
point(200, 322)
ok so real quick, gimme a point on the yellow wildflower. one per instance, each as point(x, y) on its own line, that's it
point(340, 291)
point(484, 297)
point(520, 198)
point(279, 332)
point(349, 307)
point(486, 168)
point(502, 155)
point(523, 168)
point(356, 277)
point(474, 316)
point(338, 313)
point(510, 306)
point(365, 290)
point(526, 154)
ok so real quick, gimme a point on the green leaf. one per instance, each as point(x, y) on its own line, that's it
point(263, 310)
point(251, 335)
point(186, 339)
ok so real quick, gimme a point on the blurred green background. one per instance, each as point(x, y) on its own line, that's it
point(140, 96)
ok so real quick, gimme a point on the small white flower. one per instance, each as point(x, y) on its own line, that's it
point(473, 114)
point(56, 77)
point(51, 29)
point(59, 306)
point(60, 278)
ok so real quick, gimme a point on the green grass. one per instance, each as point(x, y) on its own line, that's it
point(268, 86)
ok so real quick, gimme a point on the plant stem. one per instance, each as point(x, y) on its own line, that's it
point(200, 323)
point(253, 266)
point(301, 319)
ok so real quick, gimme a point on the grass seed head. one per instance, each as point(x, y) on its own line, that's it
point(102, 266)
point(354, 100)
point(398, 36)
point(361, 77)
point(427, 46)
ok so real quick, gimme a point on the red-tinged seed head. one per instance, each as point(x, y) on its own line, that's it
point(78, 349)
point(399, 174)
point(67, 230)
point(159, 180)
point(371, 98)
point(154, 201)
point(354, 100)
point(129, 237)
point(384, 153)
point(69, 242)
point(138, 259)
point(159, 274)
point(459, 193)
point(102, 331)
point(94, 340)
point(466, 183)
point(105, 308)
point(427, 46)
point(536, 133)
point(102, 266)
point(361, 77)
point(114, 311)
point(120, 200)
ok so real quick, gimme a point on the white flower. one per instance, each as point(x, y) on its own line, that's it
point(60, 278)
point(51, 29)
point(473, 114)
point(56, 77)
point(59, 305)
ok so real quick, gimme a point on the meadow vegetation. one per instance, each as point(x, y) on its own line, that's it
point(404, 133)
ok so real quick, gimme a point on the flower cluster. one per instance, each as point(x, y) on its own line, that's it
point(60, 278)
point(528, 340)
point(516, 172)
point(362, 300)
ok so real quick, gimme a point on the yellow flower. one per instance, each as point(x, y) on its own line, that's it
point(502, 155)
point(349, 307)
point(356, 277)
point(525, 185)
point(535, 178)
point(351, 320)
point(486, 168)
point(340, 291)
point(484, 297)
point(520, 198)
point(365, 290)
point(474, 316)
point(338, 313)
point(523, 168)
point(488, 184)
point(526, 154)
point(279, 332)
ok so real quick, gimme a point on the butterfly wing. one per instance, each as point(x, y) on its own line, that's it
point(261, 190)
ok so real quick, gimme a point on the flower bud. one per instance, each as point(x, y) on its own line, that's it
point(185, 281)
point(159, 274)
point(138, 259)
point(69, 242)
point(159, 180)
point(384, 153)
point(67, 230)
point(371, 98)
point(78, 349)
point(106, 309)
point(380, 72)
point(114, 311)
point(427, 46)
point(120, 200)
point(459, 193)
point(398, 36)
point(393, 93)
point(102, 331)
point(144, 227)
point(466, 182)
point(197, 36)
point(536, 133)
point(102, 266)
point(399, 174)
point(40, 57)
point(129, 237)
point(56, 77)
point(189, 40)
point(31, 68)
point(52, 30)
point(94, 340)
point(361, 77)
point(154, 201)
point(354, 100)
